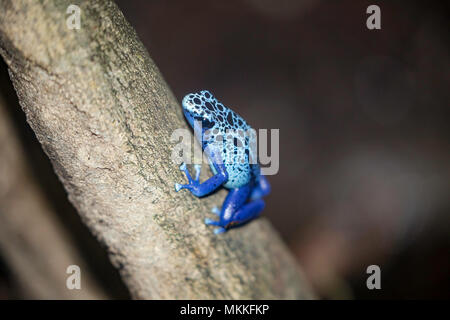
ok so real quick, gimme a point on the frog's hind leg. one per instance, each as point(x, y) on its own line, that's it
point(236, 211)
point(235, 199)
point(247, 212)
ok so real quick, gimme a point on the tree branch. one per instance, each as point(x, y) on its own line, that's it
point(104, 116)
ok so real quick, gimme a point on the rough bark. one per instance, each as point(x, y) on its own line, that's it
point(104, 116)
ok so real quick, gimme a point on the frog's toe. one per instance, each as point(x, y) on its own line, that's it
point(184, 169)
point(178, 187)
point(219, 230)
point(216, 211)
point(211, 222)
point(183, 166)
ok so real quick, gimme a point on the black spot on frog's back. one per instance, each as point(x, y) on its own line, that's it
point(230, 119)
point(237, 142)
point(209, 106)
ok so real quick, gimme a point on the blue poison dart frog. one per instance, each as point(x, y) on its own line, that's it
point(225, 139)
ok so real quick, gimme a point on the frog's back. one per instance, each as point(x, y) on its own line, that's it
point(231, 136)
point(237, 164)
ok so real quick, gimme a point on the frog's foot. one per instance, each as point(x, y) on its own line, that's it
point(216, 211)
point(202, 189)
point(193, 183)
point(211, 222)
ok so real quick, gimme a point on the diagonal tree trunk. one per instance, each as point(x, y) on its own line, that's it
point(104, 116)
point(32, 240)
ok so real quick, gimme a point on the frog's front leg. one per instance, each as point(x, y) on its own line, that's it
point(201, 189)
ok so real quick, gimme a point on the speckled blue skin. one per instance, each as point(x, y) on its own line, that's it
point(224, 140)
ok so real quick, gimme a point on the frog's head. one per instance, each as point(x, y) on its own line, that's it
point(200, 107)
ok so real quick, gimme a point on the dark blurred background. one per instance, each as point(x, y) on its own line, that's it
point(363, 116)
